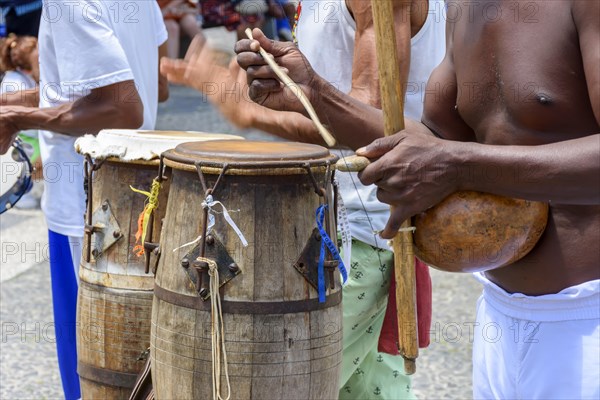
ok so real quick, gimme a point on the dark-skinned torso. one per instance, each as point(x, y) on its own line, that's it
point(515, 76)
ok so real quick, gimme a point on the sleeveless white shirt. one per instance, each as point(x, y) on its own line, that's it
point(325, 34)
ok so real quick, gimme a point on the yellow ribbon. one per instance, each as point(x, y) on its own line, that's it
point(144, 217)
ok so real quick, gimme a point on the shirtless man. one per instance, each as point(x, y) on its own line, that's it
point(518, 91)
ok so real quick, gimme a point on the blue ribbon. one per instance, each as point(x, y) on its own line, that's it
point(326, 242)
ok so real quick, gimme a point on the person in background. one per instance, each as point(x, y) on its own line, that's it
point(283, 12)
point(20, 66)
point(22, 17)
point(106, 79)
point(180, 16)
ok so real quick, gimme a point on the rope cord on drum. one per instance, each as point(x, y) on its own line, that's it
point(217, 332)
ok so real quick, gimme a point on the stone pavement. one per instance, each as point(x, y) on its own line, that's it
point(28, 368)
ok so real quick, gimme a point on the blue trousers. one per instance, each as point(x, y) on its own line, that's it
point(65, 253)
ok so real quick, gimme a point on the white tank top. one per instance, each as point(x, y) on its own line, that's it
point(325, 34)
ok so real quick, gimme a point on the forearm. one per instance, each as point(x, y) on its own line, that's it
point(288, 125)
point(353, 123)
point(26, 98)
point(563, 172)
point(84, 116)
point(163, 83)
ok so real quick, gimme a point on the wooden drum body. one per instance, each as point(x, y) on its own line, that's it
point(280, 341)
point(115, 293)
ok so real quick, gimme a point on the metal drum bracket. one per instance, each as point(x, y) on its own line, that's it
point(308, 262)
point(198, 273)
point(105, 228)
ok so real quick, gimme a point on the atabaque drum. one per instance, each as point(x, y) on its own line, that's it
point(115, 292)
point(259, 213)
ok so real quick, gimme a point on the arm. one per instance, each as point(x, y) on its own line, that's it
point(352, 122)
point(226, 89)
point(329, 102)
point(113, 106)
point(163, 83)
point(27, 98)
point(365, 73)
point(414, 172)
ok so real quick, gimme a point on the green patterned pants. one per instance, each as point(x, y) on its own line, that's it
point(366, 373)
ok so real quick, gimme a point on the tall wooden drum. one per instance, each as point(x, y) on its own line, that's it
point(115, 292)
point(281, 340)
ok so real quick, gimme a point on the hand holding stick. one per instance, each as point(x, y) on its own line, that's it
point(325, 134)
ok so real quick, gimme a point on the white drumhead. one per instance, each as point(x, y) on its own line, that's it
point(129, 145)
point(10, 171)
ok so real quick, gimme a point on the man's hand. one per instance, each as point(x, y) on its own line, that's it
point(225, 87)
point(264, 87)
point(8, 129)
point(195, 69)
point(413, 171)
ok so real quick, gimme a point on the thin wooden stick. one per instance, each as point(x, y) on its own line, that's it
point(297, 91)
point(352, 163)
point(392, 101)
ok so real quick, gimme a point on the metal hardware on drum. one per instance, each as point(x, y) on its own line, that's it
point(88, 186)
point(198, 273)
point(151, 247)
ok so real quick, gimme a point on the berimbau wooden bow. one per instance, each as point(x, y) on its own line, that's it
point(392, 101)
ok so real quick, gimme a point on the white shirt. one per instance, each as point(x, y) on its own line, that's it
point(15, 81)
point(83, 45)
point(325, 34)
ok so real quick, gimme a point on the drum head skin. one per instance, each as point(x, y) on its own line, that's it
point(131, 145)
point(234, 151)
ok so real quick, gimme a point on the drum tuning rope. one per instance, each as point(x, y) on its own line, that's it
point(217, 332)
point(209, 203)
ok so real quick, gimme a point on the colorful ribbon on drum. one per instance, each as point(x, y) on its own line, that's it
point(145, 215)
point(326, 242)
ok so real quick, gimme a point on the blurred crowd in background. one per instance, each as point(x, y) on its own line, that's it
point(184, 19)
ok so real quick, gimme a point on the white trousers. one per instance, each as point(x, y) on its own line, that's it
point(537, 347)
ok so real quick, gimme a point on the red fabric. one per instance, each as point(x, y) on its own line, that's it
point(388, 339)
point(220, 13)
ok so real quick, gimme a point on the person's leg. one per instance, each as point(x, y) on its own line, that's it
point(366, 373)
point(173, 38)
point(559, 360)
point(189, 25)
point(537, 347)
point(76, 245)
point(64, 302)
point(494, 362)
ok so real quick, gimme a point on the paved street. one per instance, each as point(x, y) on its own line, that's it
point(28, 368)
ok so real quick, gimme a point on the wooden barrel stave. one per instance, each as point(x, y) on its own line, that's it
point(113, 333)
